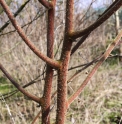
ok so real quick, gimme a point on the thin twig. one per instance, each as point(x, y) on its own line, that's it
point(37, 116)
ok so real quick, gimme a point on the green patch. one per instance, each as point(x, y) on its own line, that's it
point(3, 80)
point(114, 103)
point(5, 87)
point(113, 118)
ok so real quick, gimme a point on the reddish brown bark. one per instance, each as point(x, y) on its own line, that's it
point(63, 70)
point(49, 70)
point(45, 3)
point(62, 88)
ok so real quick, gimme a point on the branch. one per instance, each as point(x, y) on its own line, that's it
point(114, 7)
point(16, 13)
point(103, 58)
point(62, 72)
point(37, 116)
point(81, 41)
point(49, 61)
point(34, 98)
point(49, 70)
point(46, 4)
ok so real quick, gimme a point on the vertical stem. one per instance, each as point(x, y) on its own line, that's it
point(47, 96)
point(62, 72)
point(49, 69)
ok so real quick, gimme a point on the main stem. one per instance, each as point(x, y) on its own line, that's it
point(63, 70)
point(49, 69)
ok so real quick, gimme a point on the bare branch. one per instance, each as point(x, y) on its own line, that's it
point(114, 7)
point(81, 41)
point(37, 116)
point(51, 62)
point(36, 99)
point(49, 69)
point(65, 57)
point(46, 4)
point(90, 75)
